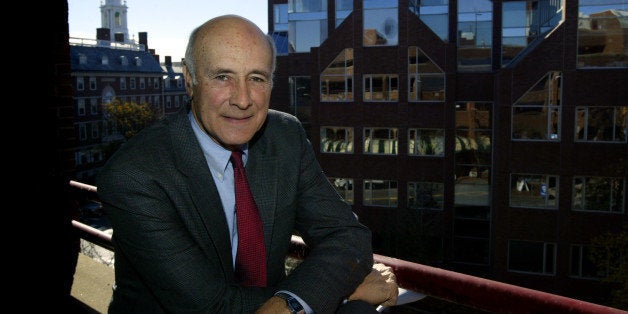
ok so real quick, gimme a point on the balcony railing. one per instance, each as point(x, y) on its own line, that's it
point(470, 291)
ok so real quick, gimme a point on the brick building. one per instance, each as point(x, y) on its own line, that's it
point(486, 137)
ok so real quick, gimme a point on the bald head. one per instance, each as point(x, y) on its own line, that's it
point(223, 30)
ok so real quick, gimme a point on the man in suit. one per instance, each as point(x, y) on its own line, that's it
point(169, 192)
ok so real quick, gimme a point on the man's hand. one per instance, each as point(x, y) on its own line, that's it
point(274, 305)
point(378, 288)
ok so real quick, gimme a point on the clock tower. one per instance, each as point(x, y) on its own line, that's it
point(113, 16)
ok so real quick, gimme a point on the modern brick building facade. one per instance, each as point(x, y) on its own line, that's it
point(487, 137)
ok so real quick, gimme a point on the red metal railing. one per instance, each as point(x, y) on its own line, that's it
point(480, 293)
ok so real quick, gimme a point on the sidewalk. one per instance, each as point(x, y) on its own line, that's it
point(92, 284)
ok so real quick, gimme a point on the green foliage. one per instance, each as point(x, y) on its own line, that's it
point(129, 117)
point(610, 251)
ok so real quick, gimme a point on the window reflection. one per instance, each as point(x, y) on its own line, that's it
point(602, 29)
point(537, 114)
point(337, 140)
point(533, 190)
point(337, 79)
point(307, 24)
point(434, 13)
point(380, 23)
point(383, 87)
point(343, 9)
point(300, 98)
point(426, 142)
point(382, 141)
point(603, 194)
point(473, 153)
point(426, 80)
point(344, 187)
point(524, 22)
point(426, 195)
point(380, 193)
point(601, 124)
point(475, 33)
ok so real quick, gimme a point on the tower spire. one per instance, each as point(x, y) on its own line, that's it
point(113, 16)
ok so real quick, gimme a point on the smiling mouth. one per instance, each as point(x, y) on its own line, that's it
point(238, 119)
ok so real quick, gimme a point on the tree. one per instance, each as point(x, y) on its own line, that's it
point(129, 117)
point(610, 251)
point(126, 119)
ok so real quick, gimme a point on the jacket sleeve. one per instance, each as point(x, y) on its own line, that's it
point(340, 247)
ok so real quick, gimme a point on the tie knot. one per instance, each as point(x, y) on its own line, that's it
point(236, 158)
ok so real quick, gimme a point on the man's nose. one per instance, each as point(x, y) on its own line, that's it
point(240, 96)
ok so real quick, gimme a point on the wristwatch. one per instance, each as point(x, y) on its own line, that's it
point(293, 304)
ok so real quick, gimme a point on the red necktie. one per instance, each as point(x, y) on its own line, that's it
point(250, 268)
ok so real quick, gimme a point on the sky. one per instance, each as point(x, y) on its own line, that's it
point(167, 23)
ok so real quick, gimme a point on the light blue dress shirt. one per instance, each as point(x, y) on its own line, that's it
point(218, 160)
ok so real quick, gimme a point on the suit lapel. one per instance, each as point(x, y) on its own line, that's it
point(261, 170)
point(207, 203)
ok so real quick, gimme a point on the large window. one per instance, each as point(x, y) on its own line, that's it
point(524, 22)
point(475, 33)
point(305, 6)
point(80, 83)
point(472, 181)
point(602, 29)
point(532, 257)
point(536, 116)
point(380, 23)
point(337, 79)
point(380, 193)
point(602, 124)
point(82, 131)
point(426, 142)
point(93, 106)
point(601, 194)
point(95, 130)
point(337, 140)
point(343, 9)
point(307, 24)
point(80, 107)
point(280, 29)
point(473, 153)
point(382, 141)
point(426, 80)
point(534, 190)
point(583, 264)
point(381, 87)
point(434, 13)
point(344, 187)
point(426, 195)
point(300, 97)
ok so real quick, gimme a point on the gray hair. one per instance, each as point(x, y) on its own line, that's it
point(190, 62)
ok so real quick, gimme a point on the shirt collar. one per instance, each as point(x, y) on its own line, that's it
point(217, 156)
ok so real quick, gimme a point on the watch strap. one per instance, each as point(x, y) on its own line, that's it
point(293, 304)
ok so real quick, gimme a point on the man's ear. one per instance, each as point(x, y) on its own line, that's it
point(188, 82)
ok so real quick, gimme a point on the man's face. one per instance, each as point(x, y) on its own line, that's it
point(232, 94)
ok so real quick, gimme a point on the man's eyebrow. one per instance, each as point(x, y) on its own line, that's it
point(260, 72)
point(228, 71)
point(220, 70)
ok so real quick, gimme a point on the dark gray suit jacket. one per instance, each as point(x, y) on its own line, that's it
point(172, 247)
